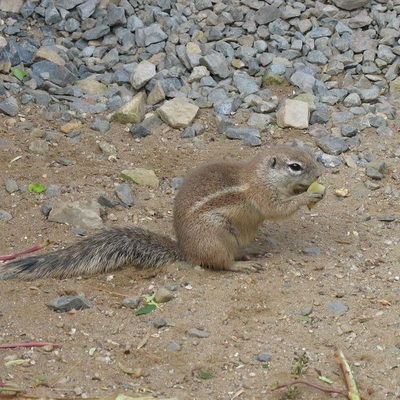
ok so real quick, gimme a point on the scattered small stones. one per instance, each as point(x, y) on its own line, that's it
point(68, 303)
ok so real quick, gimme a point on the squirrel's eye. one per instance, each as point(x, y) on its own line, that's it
point(295, 167)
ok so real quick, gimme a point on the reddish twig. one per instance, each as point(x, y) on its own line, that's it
point(312, 384)
point(31, 344)
point(31, 250)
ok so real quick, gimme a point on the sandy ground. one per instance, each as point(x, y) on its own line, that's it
point(282, 312)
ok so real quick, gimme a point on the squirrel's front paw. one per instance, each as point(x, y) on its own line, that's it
point(314, 198)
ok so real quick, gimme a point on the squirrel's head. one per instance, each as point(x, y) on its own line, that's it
point(290, 170)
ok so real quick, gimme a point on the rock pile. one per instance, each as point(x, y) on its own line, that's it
point(129, 56)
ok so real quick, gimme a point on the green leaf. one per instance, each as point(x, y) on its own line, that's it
point(206, 375)
point(20, 74)
point(148, 308)
point(92, 350)
point(36, 187)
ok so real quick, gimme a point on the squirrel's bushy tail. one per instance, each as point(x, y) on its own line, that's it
point(105, 251)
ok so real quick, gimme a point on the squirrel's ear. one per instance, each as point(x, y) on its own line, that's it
point(272, 162)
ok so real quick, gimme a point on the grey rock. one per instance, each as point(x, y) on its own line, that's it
point(108, 202)
point(306, 311)
point(101, 125)
point(264, 357)
point(348, 130)
point(304, 81)
point(172, 286)
point(9, 106)
point(250, 136)
point(96, 33)
point(329, 161)
point(142, 74)
point(78, 231)
point(84, 215)
point(159, 322)
point(188, 132)
point(352, 100)
point(267, 14)
point(259, 121)
point(45, 209)
point(52, 191)
point(27, 9)
point(385, 131)
point(337, 307)
point(5, 216)
point(386, 218)
point(350, 5)
point(139, 131)
point(57, 74)
point(320, 115)
point(86, 8)
point(115, 15)
point(370, 95)
point(245, 84)
point(174, 346)
point(373, 173)
point(124, 193)
point(39, 146)
point(312, 251)
point(68, 303)
point(11, 185)
point(216, 64)
point(317, 57)
point(332, 145)
point(52, 16)
point(198, 333)
point(131, 302)
point(149, 35)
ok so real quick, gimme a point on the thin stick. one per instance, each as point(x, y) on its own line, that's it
point(353, 393)
point(31, 250)
point(31, 344)
point(312, 384)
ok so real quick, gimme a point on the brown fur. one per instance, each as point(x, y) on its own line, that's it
point(217, 212)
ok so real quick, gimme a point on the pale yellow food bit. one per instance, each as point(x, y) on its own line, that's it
point(315, 187)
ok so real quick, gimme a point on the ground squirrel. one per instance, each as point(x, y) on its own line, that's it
point(217, 212)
